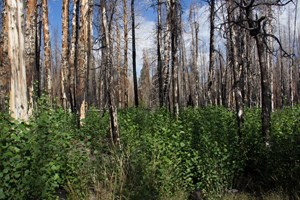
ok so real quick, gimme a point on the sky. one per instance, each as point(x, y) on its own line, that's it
point(146, 20)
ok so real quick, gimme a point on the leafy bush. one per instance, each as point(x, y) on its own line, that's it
point(160, 157)
point(15, 158)
point(35, 161)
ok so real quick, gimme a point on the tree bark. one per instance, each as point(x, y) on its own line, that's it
point(167, 47)
point(81, 70)
point(30, 47)
point(47, 48)
point(65, 52)
point(174, 52)
point(5, 72)
point(114, 127)
point(159, 55)
point(73, 56)
point(265, 89)
point(211, 52)
point(135, 85)
point(13, 71)
point(125, 79)
point(236, 68)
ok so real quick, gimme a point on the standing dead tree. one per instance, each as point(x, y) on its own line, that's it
point(108, 65)
point(65, 52)
point(12, 61)
point(47, 48)
point(256, 27)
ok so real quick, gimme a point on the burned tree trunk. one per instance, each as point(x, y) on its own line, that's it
point(30, 47)
point(73, 56)
point(236, 68)
point(5, 71)
point(159, 55)
point(265, 88)
point(167, 47)
point(12, 66)
point(125, 68)
point(65, 52)
point(136, 96)
point(107, 56)
point(174, 52)
point(47, 48)
point(210, 91)
point(81, 70)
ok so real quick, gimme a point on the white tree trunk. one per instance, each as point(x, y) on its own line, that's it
point(18, 90)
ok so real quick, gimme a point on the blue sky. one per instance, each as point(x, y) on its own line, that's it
point(146, 17)
point(55, 9)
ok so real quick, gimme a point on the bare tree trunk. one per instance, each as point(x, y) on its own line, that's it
point(237, 70)
point(65, 52)
point(211, 52)
point(269, 57)
point(47, 48)
point(136, 96)
point(90, 73)
point(12, 67)
point(166, 67)
point(159, 55)
point(265, 89)
point(73, 56)
point(30, 46)
point(145, 81)
point(174, 50)
point(125, 79)
point(5, 71)
point(38, 52)
point(166, 70)
point(119, 69)
point(114, 127)
point(294, 61)
point(81, 70)
point(195, 32)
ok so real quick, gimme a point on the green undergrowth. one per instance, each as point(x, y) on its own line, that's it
point(160, 157)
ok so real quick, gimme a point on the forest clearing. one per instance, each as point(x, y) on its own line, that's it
point(151, 99)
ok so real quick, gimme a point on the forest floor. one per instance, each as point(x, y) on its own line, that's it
point(244, 196)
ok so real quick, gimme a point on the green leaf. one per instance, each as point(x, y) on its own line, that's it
point(2, 195)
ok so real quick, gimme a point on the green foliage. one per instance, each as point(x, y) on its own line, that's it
point(35, 161)
point(215, 147)
point(276, 167)
point(15, 158)
point(160, 157)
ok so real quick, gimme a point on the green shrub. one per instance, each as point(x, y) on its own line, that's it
point(160, 157)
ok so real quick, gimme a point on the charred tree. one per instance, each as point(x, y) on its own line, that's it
point(108, 64)
point(135, 85)
point(13, 84)
point(30, 47)
point(65, 52)
point(47, 48)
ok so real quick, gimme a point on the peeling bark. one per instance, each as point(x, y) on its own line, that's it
point(174, 52)
point(114, 127)
point(159, 55)
point(5, 71)
point(47, 48)
point(136, 95)
point(125, 79)
point(73, 56)
point(65, 52)
point(30, 47)
point(81, 70)
point(13, 71)
point(211, 75)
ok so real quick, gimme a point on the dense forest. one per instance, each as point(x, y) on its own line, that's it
point(213, 117)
